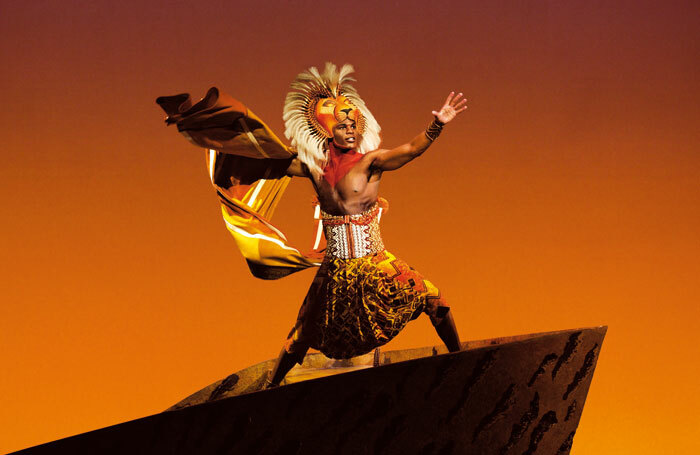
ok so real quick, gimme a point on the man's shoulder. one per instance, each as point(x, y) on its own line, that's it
point(374, 154)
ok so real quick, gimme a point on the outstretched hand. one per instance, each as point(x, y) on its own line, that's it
point(452, 107)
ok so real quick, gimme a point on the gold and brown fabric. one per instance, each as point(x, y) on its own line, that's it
point(247, 164)
point(357, 301)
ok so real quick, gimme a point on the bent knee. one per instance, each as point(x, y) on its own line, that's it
point(437, 309)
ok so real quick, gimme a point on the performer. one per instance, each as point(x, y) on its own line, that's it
point(362, 295)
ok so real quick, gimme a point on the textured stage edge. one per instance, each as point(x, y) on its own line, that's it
point(515, 395)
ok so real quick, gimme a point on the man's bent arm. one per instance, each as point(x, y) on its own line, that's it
point(296, 169)
point(389, 160)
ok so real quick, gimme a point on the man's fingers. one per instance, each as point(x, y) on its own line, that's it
point(453, 103)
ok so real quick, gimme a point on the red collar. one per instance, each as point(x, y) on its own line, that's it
point(339, 163)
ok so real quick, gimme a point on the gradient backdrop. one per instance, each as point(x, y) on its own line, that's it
point(565, 196)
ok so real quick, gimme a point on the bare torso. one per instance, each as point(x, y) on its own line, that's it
point(354, 193)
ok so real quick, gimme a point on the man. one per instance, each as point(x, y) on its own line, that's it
point(362, 295)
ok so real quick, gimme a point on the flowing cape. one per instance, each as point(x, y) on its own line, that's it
point(247, 165)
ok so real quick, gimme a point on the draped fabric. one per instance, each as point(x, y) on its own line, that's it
point(247, 164)
point(356, 305)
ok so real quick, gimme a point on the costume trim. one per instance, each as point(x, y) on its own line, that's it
point(353, 236)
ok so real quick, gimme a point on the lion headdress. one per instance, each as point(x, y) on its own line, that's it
point(318, 102)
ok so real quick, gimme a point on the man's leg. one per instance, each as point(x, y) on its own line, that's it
point(303, 334)
point(435, 305)
point(285, 362)
point(441, 317)
point(293, 352)
point(447, 331)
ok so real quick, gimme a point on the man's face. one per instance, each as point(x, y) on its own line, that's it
point(345, 134)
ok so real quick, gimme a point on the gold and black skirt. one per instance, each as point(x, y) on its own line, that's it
point(362, 295)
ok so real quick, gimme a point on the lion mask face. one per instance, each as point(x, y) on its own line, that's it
point(331, 111)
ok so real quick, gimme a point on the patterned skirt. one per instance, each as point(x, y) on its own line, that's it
point(355, 305)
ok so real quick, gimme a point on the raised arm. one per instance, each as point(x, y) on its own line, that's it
point(389, 160)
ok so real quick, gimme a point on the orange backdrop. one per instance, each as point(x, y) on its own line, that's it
point(566, 196)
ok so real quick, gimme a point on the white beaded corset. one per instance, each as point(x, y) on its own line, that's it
point(353, 236)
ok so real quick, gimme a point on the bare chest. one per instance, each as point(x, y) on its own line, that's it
point(354, 193)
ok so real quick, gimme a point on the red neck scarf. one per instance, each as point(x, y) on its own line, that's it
point(339, 163)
